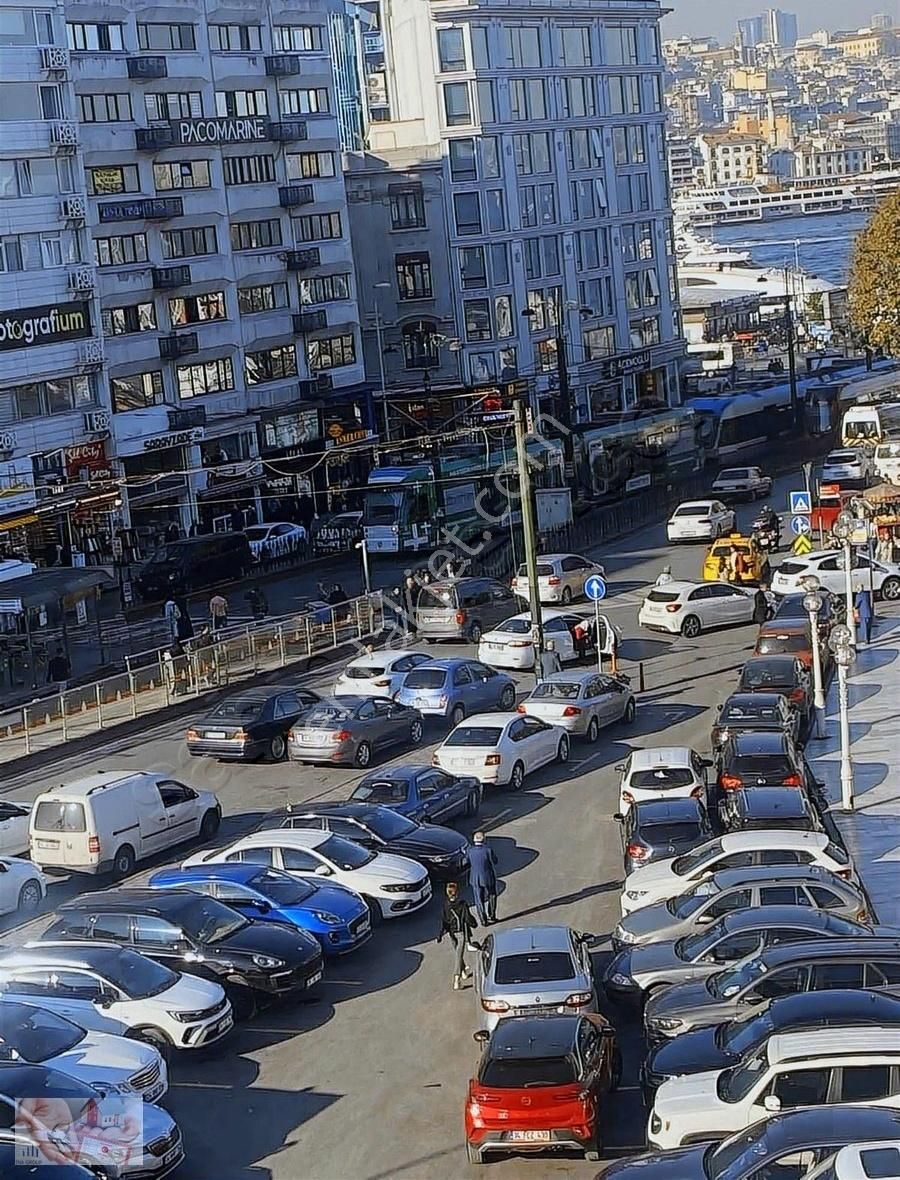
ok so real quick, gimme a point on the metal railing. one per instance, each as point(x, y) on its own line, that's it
point(156, 680)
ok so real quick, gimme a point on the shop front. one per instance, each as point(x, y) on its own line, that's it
point(160, 476)
point(232, 497)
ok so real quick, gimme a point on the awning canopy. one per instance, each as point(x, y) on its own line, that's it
point(65, 585)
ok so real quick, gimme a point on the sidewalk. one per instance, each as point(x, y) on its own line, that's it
point(871, 831)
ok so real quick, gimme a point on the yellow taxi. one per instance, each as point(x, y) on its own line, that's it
point(718, 565)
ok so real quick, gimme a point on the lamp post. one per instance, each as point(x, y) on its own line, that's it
point(812, 604)
point(379, 340)
point(843, 531)
point(840, 644)
point(364, 551)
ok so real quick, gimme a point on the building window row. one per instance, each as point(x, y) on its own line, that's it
point(105, 108)
point(530, 99)
point(93, 36)
point(248, 169)
point(120, 250)
point(266, 297)
point(26, 26)
point(26, 102)
point(255, 235)
point(18, 28)
point(235, 38)
point(197, 309)
point(485, 319)
point(41, 251)
point(472, 159)
point(309, 165)
point(123, 321)
point(189, 243)
point(173, 105)
point(327, 289)
point(207, 377)
point(181, 174)
point(38, 399)
point(317, 227)
point(273, 364)
point(39, 177)
point(527, 47)
point(166, 37)
point(331, 353)
point(473, 265)
point(136, 391)
point(413, 276)
point(239, 104)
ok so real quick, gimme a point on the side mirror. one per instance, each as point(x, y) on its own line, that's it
point(323, 871)
point(620, 767)
point(481, 1037)
point(619, 817)
point(105, 1002)
point(261, 906)
point(706, 762)
point(772, 1103)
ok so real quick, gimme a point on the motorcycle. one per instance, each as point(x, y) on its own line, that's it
point(767, 537)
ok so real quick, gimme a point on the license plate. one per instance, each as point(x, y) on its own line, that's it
point(364, 927)
point(314, 979)
point(48, 844)
point(494, 646)
point(421, 702)
point(152, 1095)
point(309, 739)
point(222, 1025)
point(215, 734)
point(529, 1136)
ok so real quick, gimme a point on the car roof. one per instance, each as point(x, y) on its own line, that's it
point(155, 900)
point(468, 582)
point(786, 1010)
point(658, 811)
point(80, 787)
point(771, 915)
point(829, 948)
point(824, 1125)
point(811, 1043)
point(228, 871)
point(404, 770)
point(777, 801)
point(656, 756)
point(364, 812)
point(284, 837)
point(778, 660)
point(448, 663)
point(756, 700)
point(576, 676)
point(494, 720)
point(876, 1160)
point(772, 838)
point(260, 692)
point(347, 702)
point(379, 657)
point(775, 627)
point(95, 956)
point(523, 1037)
point(521, 940)
point(20, 1079)
point(546, 615)
point(774, 874)
point(696, 503)
point(760, 741)
point(678, 586)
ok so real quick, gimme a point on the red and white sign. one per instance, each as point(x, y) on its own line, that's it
point(86, 461)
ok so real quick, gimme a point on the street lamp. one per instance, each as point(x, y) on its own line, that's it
point(812, 604)
point(840, 643)
point(379, 342)
point(364, 551)
point(843, 531)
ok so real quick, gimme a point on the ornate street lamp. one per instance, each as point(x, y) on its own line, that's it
point(840, 643)
point(812, 604)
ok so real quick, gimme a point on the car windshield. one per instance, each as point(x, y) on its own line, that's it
point(431, 597)
point(59, 817)
point(382, 507)
point(389, 825)
point(695, 945)
point(693, 860)
point(842, 457)
point(281, 888)
point(559, 690)
point(535, 967)
point(740, 1035)
point(237, 709)
point(693, 510)
point(661, 778)
point(736, 1083)
point(515, 626)
point(673, 832)
point(384, 791)
point(344, 853)
point(364, 671)
point(776, 644)
point(323, 715)
point(425, 678)
point(529, 1072)
point(687, 904)
point(136, 975)
point(663, 596)
point(730, 982)
point(543, 570)
point(36, 1034)
point(749, 712)
point(208, 921)
point(474, 735)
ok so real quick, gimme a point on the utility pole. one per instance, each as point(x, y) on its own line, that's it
point(792, 358)
point(564, 405)
point(528, 531)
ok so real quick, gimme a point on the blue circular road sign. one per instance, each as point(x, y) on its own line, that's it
point(595, 588)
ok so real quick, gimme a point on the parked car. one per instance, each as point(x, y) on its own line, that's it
point(828, 567)
point(13, 828)
point(742, 483)
point(540, 1084)
point(561, 577)
point(501, 749)
point(511, 643)
point(391, 885)
point(754, 712)
point(662, 828)
point(275, 539)
point(194, 563)
point(781, 638)
point(335, 915)
point(111, 819)
point(756, 560)
point(769, 807)
point(442, 851)
point(700, 520)
point(870, 1161)
point(107, 988)
point(689, 608)
point(455, 688)
point(22, 886)
point(517, 962)
point(790, 609)
point(351, 730)
point(338, 533)
point(761, 759)
point(252, 724)
point(849, 468)
point(379, 674)
point(462, 608)
point(783, 674)
point(581, 703)
point(424, 793)
point(662, 772)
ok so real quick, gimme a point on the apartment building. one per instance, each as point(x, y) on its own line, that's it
point(730, 157)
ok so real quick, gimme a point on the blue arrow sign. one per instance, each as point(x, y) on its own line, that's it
point(800, 525)
point(801, 503)
point(595, 588)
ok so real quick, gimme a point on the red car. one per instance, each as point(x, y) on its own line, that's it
point(539, 1085)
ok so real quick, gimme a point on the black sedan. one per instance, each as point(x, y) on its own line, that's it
point(252, 724)
point(657, 829)
point(769, 807)
point(443, 852)
point(785, 675)
point(754, 712)
point(424, 793)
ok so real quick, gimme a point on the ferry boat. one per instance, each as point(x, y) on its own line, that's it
point(736, 203)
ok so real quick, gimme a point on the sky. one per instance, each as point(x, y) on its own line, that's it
point(718, 18)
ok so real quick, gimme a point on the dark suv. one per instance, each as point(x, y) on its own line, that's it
point(769, 807)
point(759, 760)
point(754, 712)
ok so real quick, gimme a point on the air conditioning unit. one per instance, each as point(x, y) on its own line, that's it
point(91, 353)
point(97, 421)
point(81, 279)
point(8, 441)
point(64, 136)
point(74, 208)
point(55, 59)
point(324, 382)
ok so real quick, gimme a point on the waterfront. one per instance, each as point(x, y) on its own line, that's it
point(822, 245)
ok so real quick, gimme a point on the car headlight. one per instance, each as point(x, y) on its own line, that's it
point(655, 1124)
point(267, 962)
point(328, 919)
point(635, 894)
point(620, 980)
point(666, 1023)
point(622, 935)
point(190, 1017)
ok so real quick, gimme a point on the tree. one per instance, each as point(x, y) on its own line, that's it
point(874, 292)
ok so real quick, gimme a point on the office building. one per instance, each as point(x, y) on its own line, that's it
point(781, 28)
point(752, 31)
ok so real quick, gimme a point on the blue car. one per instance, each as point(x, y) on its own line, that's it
point(455, 688)
point(423, 793)
point(335, 915)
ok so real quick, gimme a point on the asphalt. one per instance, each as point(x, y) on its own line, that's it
point(369, 1080)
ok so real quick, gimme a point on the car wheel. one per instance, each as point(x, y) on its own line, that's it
point(691, 628)
point(890, 589)
point(628, 715)
point(363, 754)
point(475, 633)
point(375, 915)
point(457, 715)
point(209, 825)
point(473, 1155)
point(517, 778)
point(155, 1037)
point(277, 748)
point(30, 897)
point(508, 698)
point(593, 730)
point(566, 596)
point(415, 732)
point(123, 862)
point(473, 802)
point(243, 1002)
point(562, 750)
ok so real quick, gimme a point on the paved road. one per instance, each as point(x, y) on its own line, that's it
point(369, 1081)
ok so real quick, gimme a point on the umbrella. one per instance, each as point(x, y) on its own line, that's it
point(883, 493)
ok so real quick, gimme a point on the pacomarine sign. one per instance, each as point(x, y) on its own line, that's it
point(26, 327)
point(213, 131)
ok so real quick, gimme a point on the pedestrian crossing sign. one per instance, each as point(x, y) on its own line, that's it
point(802, 545)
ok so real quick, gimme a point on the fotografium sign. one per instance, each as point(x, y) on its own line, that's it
point(26, 327)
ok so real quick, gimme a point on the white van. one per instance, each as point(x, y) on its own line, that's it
point(109, 820)
point(887, 461)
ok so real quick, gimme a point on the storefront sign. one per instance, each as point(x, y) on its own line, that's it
point(204, 131)
point(87, 460)
point(45, 324)
point(180, 438)
point(290, 430)
point(344, 438)
point(249, 469)
point(624, 366)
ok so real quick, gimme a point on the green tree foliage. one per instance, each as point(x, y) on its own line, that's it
point(874, 292)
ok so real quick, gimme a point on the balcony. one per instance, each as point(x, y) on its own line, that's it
point(167, 278)
point(152, 139)
point(291, 195)
point(309, 321)
point(176, 345)
point(282, 65)
point(288, 131)
point(161, 208)
point(148, 67)
point(302, 259)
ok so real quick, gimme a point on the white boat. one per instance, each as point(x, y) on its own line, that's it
point(732, 204)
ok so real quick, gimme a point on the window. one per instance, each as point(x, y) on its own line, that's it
point(22, 26)
point(491, 167)
point(596, 296)
point(135, 317)
point(546, 308)
point(93, 37)
point(234, 38)
point(165, 37)
point(495, 209)
point(161, 107)
point(499, 253)
point(120, 250)
point(644, 331)
point(451, 50)
point(621, 45)
point(309, 165)
point(331, 353)
point(211, 377)
point(633, 189)
point(38, 399)
point(583, 149)
point(527, 99)
point(197, 309)
point(467, 214)
point(156, 932)
point(40, 177)
point(317, 227)
point(105, 108)
point(188, 243)
point(598, 342)
point(545, 356)
point(472, 268)
point(420, 345)
point(531, 152)
point(638, 241)
point(274, 364)
point(477, 314)
point(328, 289)
point(239, 104)
point(255, 235)
point(522, 46)
point(630, 144)
point(481, 57)
point(181, 174)
point(865, 1083)
point(457, 107)
point(588, 198)
point(575, 43)
point(304, 102)
point(801, 1087)
point(503, 316)
point(462, 159)
point(297, 38)
point(115, 927)
point(532, 258)
point(248, 169)
point(487, 110)
point(137, 391)
point(407, 209)
point(413, 276)
point(579, 97)
point(537, 204)
point(624, 94)
point(267, 297)
point(113, 179)
point(51, 102)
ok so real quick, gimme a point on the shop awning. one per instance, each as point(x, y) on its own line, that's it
point(883, 493)
point(17, 522)
point(64, 585)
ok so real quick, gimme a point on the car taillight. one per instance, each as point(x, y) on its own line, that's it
point(627, 797)
point(460, 617)
point(792, 780)
point(703, 520)
point(381, 684)
point(341, 735)
point(863, 915)
point(637, 852)
point(672, 607)
point(442, 700)
point(553, 581)
point(578, 999)
point(93, 843)
point(571, 711)
point(519, 643)
point(698, 792)
point(730, 782)
point(797, 694)
point(495, 1005)
point(484, 1100)
point(241, 736)
point(492, 760)
point(292, 735)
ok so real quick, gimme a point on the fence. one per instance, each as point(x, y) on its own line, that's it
point(155, 680)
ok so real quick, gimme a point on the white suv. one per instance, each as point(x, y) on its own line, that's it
point(861, 1161)
point(828, 566)
point(687, 608)
point(799, 1069)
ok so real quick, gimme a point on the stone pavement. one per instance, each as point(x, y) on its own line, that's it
point(871, 831)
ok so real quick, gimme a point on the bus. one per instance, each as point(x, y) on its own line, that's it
point(636, 450)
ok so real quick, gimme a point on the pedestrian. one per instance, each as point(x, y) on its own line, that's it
point(722, 572)
point(550, 661)
point(483, 879)
point(458, 923)
point(172, 615)
point(665, 577)
point(322, 591)
point(175, 667)
point(185, 625)
point(580, 639)
point(410, 600)
point(761, 603)
point(218, 612)
point(173, 532)
point(863, 611)
point(58, 669)
point(737, 564)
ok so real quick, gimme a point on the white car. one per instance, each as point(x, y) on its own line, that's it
point(391, 885)
point(846, 466)
point(687, 608)
point(13, 828)
point(742, 483)
point(510, 644)
point(665, 772)
point(501, 749)
point(22, 886)
point(792, 1069)
point(379, 674)
point(700, 520)
point(828, 567)
point(37, 1036)
point(670, 878)
point(561, 577)
point(279, 537)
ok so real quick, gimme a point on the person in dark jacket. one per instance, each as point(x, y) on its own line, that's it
point(457, 921)
point(483, 879)
point(550, 663)
point(864, 611)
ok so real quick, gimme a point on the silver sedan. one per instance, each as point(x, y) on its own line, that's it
point(581, 702)
point(351, 730)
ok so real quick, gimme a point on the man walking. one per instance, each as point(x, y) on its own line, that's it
point(172, 615)
point(218, 612)
point(550, 661)
point(457, 921)
point(483, 879)
point(864, 611)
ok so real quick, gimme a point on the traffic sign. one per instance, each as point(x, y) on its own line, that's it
point(595, 588)
point(801, 503)
point(802, 545)
point(800, 525)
